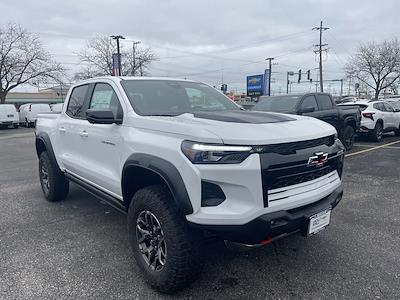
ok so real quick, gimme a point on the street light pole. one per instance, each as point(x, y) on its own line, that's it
point(118, 37)
point(287, 81)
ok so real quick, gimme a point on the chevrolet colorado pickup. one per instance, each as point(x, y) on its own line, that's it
point(346, 120)
point(184, 163)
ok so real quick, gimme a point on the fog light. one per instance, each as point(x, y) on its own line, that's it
point(211, 194)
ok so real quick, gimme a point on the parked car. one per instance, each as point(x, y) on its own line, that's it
point(317, 105)
point(377, 117)
point(182, 171)
point(57, 107)
point(8, 116)
point(28, 112)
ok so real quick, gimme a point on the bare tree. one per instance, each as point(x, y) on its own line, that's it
point(23, 59)
point(377, 65)
point(98, 56)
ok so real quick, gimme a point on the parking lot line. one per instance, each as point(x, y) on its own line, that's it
point(373, 148)
point(11, 136)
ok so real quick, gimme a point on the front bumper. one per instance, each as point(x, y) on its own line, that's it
point(275, 224)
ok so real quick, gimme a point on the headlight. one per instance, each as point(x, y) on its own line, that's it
point(199, 153)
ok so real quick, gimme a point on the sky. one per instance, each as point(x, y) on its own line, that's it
point(215, 41)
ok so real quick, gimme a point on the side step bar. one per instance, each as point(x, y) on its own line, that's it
point(110, 200)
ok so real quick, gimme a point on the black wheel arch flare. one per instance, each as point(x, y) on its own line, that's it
point(162, 168)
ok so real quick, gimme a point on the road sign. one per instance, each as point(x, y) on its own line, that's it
point(255, 85)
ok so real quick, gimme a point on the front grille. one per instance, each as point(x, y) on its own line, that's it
point(292, 147)
point(288, 180)
point(283, 174)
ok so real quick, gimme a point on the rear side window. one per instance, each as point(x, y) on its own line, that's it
point(309, 101)
point(76, 101)
point(324, 102)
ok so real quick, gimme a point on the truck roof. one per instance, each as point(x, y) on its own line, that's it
point(120, 78)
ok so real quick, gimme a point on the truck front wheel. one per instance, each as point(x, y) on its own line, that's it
point(165, 248)
point(54, 184)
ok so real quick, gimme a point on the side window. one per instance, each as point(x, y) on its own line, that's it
point(379, 106)
point(76, 101)
point(324, 102)
point(308, 102)
point(104, 97)
point(388, 107)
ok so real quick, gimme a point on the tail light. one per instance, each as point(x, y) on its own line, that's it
point(368, 115)
point(30, 107)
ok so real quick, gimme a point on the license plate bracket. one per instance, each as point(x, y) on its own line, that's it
point(319, 221)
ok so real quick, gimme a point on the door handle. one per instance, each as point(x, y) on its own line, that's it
point(61, 129)
point(83, 134)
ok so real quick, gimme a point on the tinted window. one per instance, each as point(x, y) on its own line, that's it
point(76, 101)
point(167, 97)
point(379, 106)
point(104, 97)
point(388, 107)
point(396, 105)
point(309, 101)
point(277, 104)
point(324, 102)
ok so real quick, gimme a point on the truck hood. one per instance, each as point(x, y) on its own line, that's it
point(238, 127)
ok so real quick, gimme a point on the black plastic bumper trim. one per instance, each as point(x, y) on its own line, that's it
point(273, 224)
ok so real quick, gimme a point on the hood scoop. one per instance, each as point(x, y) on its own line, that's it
point(241, 116)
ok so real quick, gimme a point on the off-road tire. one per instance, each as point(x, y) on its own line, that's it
point(55, 186)
point(348, 137)
point(397, 131)
point(376, 134)
point(183, 244)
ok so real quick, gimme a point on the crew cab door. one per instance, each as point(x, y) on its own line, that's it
point(328, 112)
point(101, 144)
point(68, 141)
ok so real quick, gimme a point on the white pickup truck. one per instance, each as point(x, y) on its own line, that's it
point(183, 161)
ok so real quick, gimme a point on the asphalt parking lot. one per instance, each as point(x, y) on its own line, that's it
point(78, 248)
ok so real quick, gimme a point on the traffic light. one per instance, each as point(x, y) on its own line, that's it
point(299, 76)
point(224, 87)
point(309, 75)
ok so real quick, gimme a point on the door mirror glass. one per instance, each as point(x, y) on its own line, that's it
point(102, 116)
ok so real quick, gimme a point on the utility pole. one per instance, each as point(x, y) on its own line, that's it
point(134, 57)
point(341, 87)
point(118, 37)
point(270, 59)
point(319, 51)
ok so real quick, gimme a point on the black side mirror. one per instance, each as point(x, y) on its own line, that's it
point(308, 109)
point(102, 116)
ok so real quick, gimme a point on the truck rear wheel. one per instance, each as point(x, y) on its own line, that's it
point(165, 248)
point(54, 184)
point(348, 137)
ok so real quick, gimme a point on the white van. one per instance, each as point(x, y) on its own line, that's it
point(57, 107)
point(28, 112)
point(8, 115)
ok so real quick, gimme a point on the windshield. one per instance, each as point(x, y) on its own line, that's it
point(277, 104)
point(171, 98)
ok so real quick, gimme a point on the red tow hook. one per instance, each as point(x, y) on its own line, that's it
point(267, 241)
